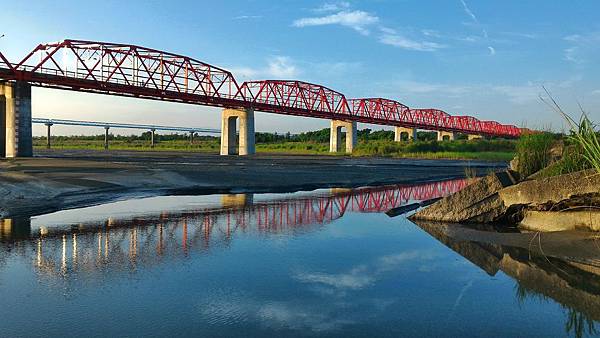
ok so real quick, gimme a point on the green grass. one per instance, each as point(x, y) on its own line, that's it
point(176, 145)
point(499, 150)
point(496, 150)
point(533, 151)
point(585, 150)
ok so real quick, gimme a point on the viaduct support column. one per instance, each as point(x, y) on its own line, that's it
point(335, 135)
point(228, 134)
point(442, 134)
point(106, 137)
point(15, 120)
point(474, 137)
point(48, 135)
point(152, 131)
point(398, 131)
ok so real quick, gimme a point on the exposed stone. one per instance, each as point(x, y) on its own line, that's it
point(514, 163)
point(476, 203)
point(561, 220)
point(552, 189)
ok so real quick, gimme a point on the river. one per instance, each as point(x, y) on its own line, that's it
point(327, 262)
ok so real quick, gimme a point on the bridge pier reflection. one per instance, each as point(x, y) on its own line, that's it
point(130, 240)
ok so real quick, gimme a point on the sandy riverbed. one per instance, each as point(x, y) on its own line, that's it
point(56, 180)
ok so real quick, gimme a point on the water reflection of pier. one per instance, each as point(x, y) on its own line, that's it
point(145, 239)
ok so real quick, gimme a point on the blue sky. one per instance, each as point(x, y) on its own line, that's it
point(488, 59)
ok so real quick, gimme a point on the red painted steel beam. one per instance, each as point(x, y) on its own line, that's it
point(7, 71)
point(134, 71)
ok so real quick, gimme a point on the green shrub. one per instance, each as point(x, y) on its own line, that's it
point(533, 151)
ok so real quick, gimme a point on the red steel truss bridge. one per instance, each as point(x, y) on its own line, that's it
point(134, 71)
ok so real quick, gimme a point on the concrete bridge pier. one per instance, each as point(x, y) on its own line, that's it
point(15, 120)
point(335, 135)
point(446, 135)
point(399, 131)
point(191, 137)
point(48, 135)
point(106, 129)
point(474, 137)
point(152, 132)
point(228, 132)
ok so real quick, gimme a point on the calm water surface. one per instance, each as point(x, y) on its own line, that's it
point(324, 263)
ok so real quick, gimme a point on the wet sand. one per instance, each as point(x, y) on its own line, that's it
point(55, 180)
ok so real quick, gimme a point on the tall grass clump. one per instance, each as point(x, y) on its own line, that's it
point(583, 134)
point(533, 152)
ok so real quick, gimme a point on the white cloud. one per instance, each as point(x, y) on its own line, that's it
point(415, 87)
point(247, 17)
point(468, 38)
point(356, 278)
point(431, 33)
point(596, 92)
point(582, 47)
point(517, 94)
point(520, 94)
point(469, 12)
point(282, 67)
point(521, 35)
point(390, 37)
point(333, 7)
point(277, 68)
point(477, 24)
point(364, 275)
point(357, 20)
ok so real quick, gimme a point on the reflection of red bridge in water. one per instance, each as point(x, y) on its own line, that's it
point(146, 238)
point(274, 215)
point(281, 214)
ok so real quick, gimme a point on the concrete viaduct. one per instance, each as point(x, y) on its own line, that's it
point(133, 71)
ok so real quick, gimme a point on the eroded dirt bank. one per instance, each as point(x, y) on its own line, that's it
point(64, 179)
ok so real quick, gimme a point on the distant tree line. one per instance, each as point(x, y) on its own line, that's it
point(317, 136)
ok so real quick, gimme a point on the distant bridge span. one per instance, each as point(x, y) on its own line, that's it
point(134, 71)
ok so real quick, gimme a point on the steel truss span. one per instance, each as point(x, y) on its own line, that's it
point(134, 71)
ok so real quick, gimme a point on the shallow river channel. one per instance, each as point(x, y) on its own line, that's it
point(328, 262)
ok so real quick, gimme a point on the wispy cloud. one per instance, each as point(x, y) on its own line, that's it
point(333, 7)
point(469, 12)
point(517, 94)
point(477, 24)
point(277, 67)
point(357, 20)
point(581, 47)
point(247, 17)
point(363, 22)
point(364, 275)
point(393, 38)
point(521, 35)
point(596, 92)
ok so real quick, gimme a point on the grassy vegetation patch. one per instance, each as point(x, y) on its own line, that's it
point(378, 143)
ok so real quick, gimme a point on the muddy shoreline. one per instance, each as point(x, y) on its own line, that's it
point(55, 180)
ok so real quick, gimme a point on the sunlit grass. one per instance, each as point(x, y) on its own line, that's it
point(583, 134)
point(496, 150)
